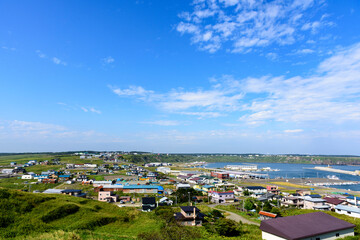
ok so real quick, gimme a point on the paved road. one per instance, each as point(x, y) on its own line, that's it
point(234, 216)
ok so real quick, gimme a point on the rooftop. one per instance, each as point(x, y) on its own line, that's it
point(304, 226)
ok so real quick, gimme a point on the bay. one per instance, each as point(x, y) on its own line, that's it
point(289, 170)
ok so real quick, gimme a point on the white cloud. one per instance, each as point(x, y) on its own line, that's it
point(77, 108)
point(90, 109)
point(304, 51)
point(55, 60)
point(331, 94)
point(108, 60)
point(247, 24)
point(58, 61)
point(8, 48)
point(293, 130)
point(163, 123)
point(40, 54)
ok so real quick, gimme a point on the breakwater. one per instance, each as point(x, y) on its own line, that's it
point(329, 169)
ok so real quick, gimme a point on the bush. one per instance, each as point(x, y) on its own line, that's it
point(60, 212)
point(227, 227)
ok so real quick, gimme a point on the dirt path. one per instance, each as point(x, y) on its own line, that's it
point(234, 216)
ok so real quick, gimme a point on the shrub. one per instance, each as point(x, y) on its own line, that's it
point(60, 212)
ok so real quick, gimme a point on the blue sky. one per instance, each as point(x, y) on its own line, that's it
point(226, 76)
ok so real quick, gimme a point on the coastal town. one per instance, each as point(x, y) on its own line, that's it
point(239, 192)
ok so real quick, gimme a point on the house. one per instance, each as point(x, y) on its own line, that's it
point(266, 215)
point(292, 201)
point(70, 165)
point(165, 201)
point(49, 180)
point(82, 178)
point(189, 216)
point(125, 198)
point(303, 192)
point(268, 196)
point(27, 176)
point(333, 202)
point(353, 200)
point(107, 196)
point(183, 186)
point(148, 204)
point(74, 192)
point(316, 226)
point(207, 188)
point(7, 171)
point(272, 189)
point(19, 170)
point(64, 177)
point(348, 210)
point(315, 203)
point(255, 190)
point(220, 175)
point(143, 189)
point(13, 164)
point(222, 197)
point(53, 191)
point(164, 170)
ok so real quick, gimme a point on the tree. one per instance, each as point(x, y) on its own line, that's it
point(267, 207)
point(246, 193)
point(183, 194)
point(249, 204)
point(276, 211)
point(227, 227)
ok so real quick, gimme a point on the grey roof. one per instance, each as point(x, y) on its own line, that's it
point(189, 209)
point(304, 226)
point(348, 208)
point(255, 187)
point(53, 191)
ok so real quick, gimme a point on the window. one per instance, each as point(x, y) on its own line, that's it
point(317, 238)
point(349, 212)
point(337, 235)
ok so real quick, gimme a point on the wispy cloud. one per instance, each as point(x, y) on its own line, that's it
point(58, 61)
point(247, 24)
point(8, 48)
point(304, 51)
point(108, 60)
point(55, 60)
point(76, 107)
point(220, 98)
point(331, 94)
point(163, 123)
point(293, 130)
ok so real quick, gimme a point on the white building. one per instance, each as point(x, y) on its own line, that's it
point(27, 176)
point(348, 210)
point(164, 170)
point(7, 171)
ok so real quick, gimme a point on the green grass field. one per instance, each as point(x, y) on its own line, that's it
point(51, 216)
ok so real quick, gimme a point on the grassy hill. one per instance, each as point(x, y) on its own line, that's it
point(51, 216)
point(40, 216)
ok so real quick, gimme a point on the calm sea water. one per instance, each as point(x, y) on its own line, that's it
point(289, 170)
